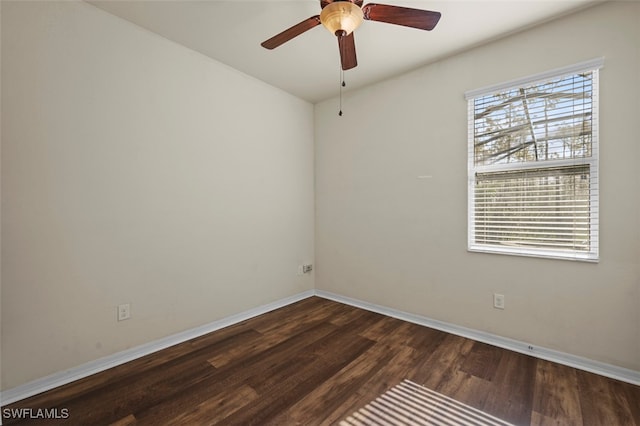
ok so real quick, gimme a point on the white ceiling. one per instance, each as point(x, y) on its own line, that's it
point(309, 66)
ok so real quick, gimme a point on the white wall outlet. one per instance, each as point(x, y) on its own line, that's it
point(124, 312)
point(498, 301)
point(307, 267)
point(300, 270)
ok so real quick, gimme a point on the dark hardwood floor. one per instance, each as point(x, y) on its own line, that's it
point(317, 361)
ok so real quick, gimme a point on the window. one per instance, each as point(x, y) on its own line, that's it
point(533, 165)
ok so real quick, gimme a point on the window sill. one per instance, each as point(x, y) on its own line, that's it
point(540, 253)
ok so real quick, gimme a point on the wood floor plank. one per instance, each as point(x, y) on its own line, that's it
point(442, 362)
point(214, 410)
point(631, 394)
point(382, 329)
point(153, 385)
point(113, 403)
point(268, 338)
point(425, 339)
point(346, 387)
point(316, 362)
point(402, 334)
point(601, 404)
point(405, 363)
point(556, 394)
point(538, 419)
point(346, 314)
point(274, 331)
point(277, 396)
point(320, 353)
point(232, 375)
point(482, 361)
point(333, 393)
point(321, 310)
point(389, 375)
point(511, 395)
point(113, 380)
point(125, 421)
point(466, 388)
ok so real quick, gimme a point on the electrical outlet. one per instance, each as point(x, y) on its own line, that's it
point(124, 312)
point(498, 301)
point(300, 269)
point(306, 268)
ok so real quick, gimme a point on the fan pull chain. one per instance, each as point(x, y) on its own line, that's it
point(342, 84)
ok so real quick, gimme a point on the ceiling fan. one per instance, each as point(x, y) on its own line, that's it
point(342, 17)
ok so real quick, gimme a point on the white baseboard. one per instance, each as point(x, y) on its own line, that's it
point(62, 378)
point(603, 369)
point(43, 384)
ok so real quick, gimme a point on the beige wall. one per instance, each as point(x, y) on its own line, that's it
point(386, 237)
point(137, 171)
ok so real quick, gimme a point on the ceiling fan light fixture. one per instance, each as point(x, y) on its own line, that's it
point(341, 16)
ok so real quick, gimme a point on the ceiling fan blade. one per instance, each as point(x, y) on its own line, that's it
point(292, 32)
point(414, 18)
point(347, 46)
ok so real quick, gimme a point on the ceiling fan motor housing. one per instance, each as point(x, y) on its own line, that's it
point(341, 17)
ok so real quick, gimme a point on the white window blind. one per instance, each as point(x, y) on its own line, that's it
point(533, 165)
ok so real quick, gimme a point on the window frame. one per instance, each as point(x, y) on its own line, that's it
point(592, 255)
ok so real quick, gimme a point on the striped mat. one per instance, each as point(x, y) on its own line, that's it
point(411, 404)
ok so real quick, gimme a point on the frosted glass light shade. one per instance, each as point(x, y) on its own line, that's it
point(341, 16)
